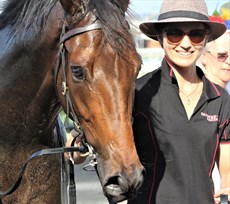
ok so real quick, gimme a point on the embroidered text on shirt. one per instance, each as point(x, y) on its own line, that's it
point(211, 118)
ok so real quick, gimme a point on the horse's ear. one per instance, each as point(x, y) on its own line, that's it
point(70, 6)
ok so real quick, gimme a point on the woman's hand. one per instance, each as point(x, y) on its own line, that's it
point(225, 191)
point(77, 157)
point(224, 169)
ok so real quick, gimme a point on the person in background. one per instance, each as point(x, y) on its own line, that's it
point(216, 60)
point(180, 117)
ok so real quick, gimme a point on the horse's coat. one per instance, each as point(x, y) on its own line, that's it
point(101, 68)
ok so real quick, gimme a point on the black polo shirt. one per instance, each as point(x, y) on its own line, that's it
point(178, 153)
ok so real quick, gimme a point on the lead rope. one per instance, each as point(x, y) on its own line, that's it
point(35, 155)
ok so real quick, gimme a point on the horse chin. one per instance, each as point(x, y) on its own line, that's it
point(120, 185)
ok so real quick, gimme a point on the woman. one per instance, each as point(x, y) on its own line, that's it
point(180, 117)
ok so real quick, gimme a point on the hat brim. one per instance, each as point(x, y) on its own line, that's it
point(216, 28)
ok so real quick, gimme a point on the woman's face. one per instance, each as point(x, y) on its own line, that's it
point(183, 43)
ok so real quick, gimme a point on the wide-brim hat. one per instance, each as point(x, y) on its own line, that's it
point(178, 11)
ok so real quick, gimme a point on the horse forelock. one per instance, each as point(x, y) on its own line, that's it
point(112, 17)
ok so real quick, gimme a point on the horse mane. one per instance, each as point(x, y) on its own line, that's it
point(115, 27)
point(24, 15)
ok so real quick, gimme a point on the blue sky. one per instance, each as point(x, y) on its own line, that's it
point(153, 6)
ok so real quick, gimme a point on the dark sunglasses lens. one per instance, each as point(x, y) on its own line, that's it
point(197, 36)
point(174, 35)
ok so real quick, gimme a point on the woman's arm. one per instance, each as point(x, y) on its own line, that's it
point(223, 163)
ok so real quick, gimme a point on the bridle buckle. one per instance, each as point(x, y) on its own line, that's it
point(64, 88)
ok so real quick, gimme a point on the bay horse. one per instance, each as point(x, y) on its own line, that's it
point(59, 52)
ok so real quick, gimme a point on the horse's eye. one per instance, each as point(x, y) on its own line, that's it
point(78, 73)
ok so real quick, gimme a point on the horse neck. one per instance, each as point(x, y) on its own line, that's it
point(27, 70)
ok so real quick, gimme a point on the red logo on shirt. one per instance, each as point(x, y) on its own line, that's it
point(211, 118)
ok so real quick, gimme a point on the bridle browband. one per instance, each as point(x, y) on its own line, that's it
point(61, 62)
point(71, 33)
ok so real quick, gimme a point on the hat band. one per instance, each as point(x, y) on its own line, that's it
point(182, 14)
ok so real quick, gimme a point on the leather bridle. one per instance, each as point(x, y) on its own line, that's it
point(61, 62)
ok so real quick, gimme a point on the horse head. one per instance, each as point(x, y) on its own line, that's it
point(96, 77)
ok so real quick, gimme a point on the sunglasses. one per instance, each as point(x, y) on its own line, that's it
point(175, 35)
point(221, 57)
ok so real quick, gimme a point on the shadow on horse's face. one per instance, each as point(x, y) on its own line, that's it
point(101, 88)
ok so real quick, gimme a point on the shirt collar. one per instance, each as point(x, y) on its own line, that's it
point(210, 90)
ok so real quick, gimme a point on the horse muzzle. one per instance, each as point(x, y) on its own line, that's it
point(121, 187)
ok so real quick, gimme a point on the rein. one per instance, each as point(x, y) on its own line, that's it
point(82, 149)
point(33, 156)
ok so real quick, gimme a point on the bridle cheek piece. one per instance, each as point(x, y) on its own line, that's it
point(65, 90)
point(62, 62)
